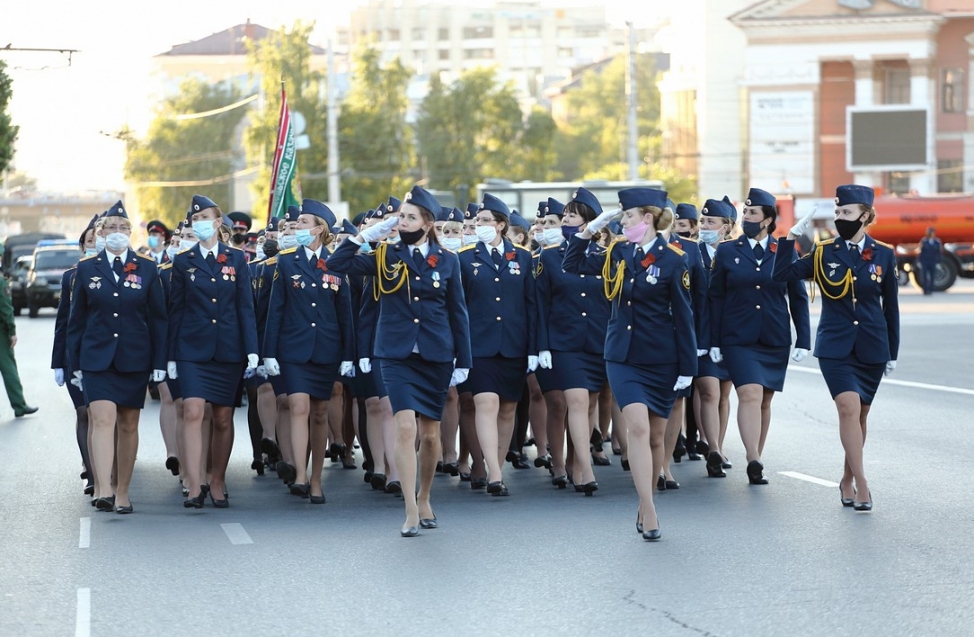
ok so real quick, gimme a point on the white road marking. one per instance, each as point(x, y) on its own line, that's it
point(82, 624)
point(235, 532)
point(84, 540)
point(900, 383)
point(807, 478)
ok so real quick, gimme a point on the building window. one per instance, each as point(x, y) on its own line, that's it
point(950, 175)
point(899, 183)
point(952, 92)
point(478, 54)
point(565, 52)
point(392, 35)
point(443, 34)
point(475, 33)
point(588, 31)
point(444, 54)
point(897, 86)
point(419, 34)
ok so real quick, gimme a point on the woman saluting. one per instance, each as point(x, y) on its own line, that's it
point(858, 336)
point(421, 330)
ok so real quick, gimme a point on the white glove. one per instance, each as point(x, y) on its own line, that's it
point(59, 377)
point(532, 363)
point(76, 381)
point(682, 382)
point(602, 220)
point(799, 354)
point(249, 373)
point(261, 371)
point(544, 359)
point(365, 365)
point(890, 366)
point(715, 355)
point(459, 376)
point(271, 366)
point(379, 231)
point(171, 370)
point(347, 368)
point(158, 375)
point(252, 361)
point(799, 228)
point(701, 352)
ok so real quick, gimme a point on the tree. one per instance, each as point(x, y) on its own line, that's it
point(286, 55)
point(8, 132)
point(538, 155)
point(184, 150)
point(471, 130)
point(375, 142)
point(22, 181)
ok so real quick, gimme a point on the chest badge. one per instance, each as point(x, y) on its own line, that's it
point(737, 259)
point(652, 274)
point(95, 283)
point(436, 279)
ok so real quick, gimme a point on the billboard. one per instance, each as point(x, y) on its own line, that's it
point(882, 138)
point(781, 146)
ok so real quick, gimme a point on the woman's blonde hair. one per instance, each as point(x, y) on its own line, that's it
point(871, 218)
point(452, 225)
point(662, 217)
point(326, 236)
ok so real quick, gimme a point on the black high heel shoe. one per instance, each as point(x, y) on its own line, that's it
point(755, 473)
point(394, 487)
point(257, 465)
point(336, 451)
point(409, 531)
point(625, 465)
point(661, 483)
point(714, 468)
point(220, 504)
point(590, 487)
point(846, 502)
point(105, 504)
point(428, 523)
point(439, 466)
point(639, 525)
point(300, 490)
point(561, 482)
point(172, 463)
point(89, 489)
point(652, 535)
point(378, 481)
point(270, 447)
point(478, 483)
point(451, 468)
point(317, 499)
point(194, 503)
point(124, 510)
point(543, 461)
point(680, 450)
point(286, 472)
point(864, 506)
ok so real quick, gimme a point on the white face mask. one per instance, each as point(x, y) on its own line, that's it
point(116, 241)
point(486, 233)
point(452, 243)
point(539, 237)
point(172, 251)
point(469, 239)
point(288, 241)
point(90, 252)
point(187, 245)
point(99, 243)
point(553, 236)
point(260, 253)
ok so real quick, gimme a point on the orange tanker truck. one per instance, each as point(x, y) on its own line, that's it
point(903, 221)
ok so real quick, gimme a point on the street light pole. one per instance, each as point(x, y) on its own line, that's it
point(334, 182)
point(632, 147)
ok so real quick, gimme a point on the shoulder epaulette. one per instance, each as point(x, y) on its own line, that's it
point(289, 251)
point(883, 243)
point(145, 256)
point(675, 249)
point(825, 242)
point(550, 247)
point(270, 260)
point(165, 266)
point(232, 247)
point(465, 248)
point(86, 258)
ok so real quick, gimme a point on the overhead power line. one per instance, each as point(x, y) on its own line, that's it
point(216, 111)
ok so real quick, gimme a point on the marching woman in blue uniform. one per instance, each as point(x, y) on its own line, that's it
point(650, 345)
point(422, 337)
point(858, 337)
point(749, 323)
point(59, 356)
point(212, 339)
point(713, 383)
point(116, 342)
point(572, 317)
point(310, 330)
point(498, 284)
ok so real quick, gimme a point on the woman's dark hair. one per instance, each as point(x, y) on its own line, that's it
point(770, 212)
point(81, 240)
point(499, 218)
point(582, 209)
point(429, 216)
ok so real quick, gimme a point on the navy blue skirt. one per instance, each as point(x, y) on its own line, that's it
point(277, 382)
point(765, 366)
point(577, 370)
point(498, 375)
point(417, 384)
point(125, 389)
point(77, 396)
point(310, 378)
point(214, 382)
point(175, 389)
point(650, 385)
point(707, 367)
point(848, 374)
point(546, 380)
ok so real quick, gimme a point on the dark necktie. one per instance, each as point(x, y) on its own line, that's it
point(313, 260)
point(758, 251)
point(854, 250)
point(117, 267)
point(496, 256)
point(210, 260)
point(418, 258)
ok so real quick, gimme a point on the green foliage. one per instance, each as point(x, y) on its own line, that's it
point(190, 150)
point(286, 55)
point(8, 132)
point(375, 142)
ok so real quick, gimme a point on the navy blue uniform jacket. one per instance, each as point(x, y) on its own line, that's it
point(870, 327)
point(114, 324)
point(420, 312)
point(651, 323)
point(699, 288)
point(573, 312)
point(211, 318)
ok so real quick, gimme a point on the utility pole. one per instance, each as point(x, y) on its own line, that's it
point(633, 150)
point(334, 182)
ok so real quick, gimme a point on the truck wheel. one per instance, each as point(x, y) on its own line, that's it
point(945, 276)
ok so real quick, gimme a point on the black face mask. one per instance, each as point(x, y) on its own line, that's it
point(848, 229)
point(751, 228)
point(238, 239)
point(685, 235)
point(271, 248)
point(413, 237)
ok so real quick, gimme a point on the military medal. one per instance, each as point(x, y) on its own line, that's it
point(514, 267)
point(652, 274)
point(436, 279)
point(95, 282)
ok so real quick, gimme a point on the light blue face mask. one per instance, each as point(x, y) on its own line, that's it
point(709, 237)
point(153, 242)
point(204, 230)
point(90, 252)
point(303, 237)
point(288, 241)
point(99, 244)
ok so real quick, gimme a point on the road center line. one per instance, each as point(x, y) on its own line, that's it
point(82, 624)
point(807, 478)
point(84, 539)
point(893, 381)
point(235, 532)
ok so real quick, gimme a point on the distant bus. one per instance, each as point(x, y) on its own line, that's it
point(524, 196)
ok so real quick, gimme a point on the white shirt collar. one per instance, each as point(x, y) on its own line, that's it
point(763, 242)
point(111, 257)
point(859, 245)
point(424, 248)
point(208, 251)
point(649, 244)
point(308, 252)
point(711, 250)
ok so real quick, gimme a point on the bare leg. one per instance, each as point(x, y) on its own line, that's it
point(750, 398)
point(406, 461)
point(724, 410)
point(167, 420)
point(674, 423)
point(102, 448)
point(708, 391)
point(222, 445)
point(645, 432)
point(283, 427)
point(128, 448)
point(320, 414)
point(765, 418)
point(192, 465)
point(300, 405)
point(538, 417)
point(557, 415)
point(429, 452)
point(852, 433)
point(580, 431)
point(391, 435)
point(469, 433)
point(376, 434)
point(267, 410)
point(81, 433)
point(449, 426)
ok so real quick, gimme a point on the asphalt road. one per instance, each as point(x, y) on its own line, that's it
point(735, 560)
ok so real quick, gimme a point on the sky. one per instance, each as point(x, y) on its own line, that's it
point(66, 111)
